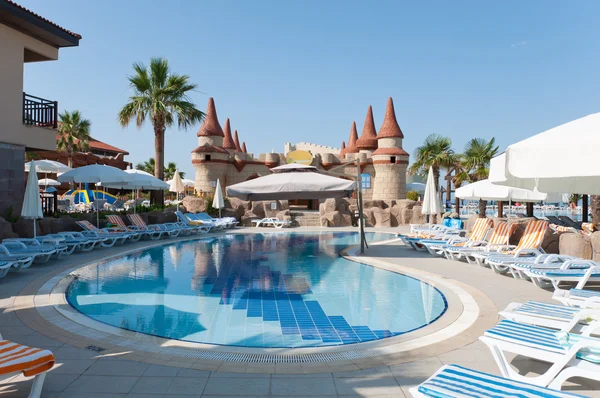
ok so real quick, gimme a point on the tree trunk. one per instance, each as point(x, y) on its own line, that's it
point(157, 197)
point(448, 190)
point(457, 200)
point(482, 208)
point(70, 164)
point(595, 205)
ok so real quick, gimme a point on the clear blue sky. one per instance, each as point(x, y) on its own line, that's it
point(304, 70)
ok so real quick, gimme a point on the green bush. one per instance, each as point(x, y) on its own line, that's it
point(210, 210)
point(412, 195)
point(10, 215)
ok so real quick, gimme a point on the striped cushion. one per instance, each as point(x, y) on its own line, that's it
point(457, 381)
point(587, 228)
point(583, 293)
point(534, 235)
point(137, 220)
point(556, 265)
point(117, 220)
point(88, 226)
point(480, 229)
point(502, 233)
point(534, 336)
point(546, 310)
point(560, 228)
point(19, 358)
point(576, 273)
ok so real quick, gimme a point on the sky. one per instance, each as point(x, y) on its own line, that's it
point(303, 70)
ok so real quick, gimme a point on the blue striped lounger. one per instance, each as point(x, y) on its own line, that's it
point(546, 310)
point(457, 381)
point(583, 293)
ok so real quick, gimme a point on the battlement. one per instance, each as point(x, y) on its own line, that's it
point(309, 147)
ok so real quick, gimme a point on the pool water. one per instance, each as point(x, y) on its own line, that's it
point(256, 290)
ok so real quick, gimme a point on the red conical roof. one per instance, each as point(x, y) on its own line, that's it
point(244, 147)
point(390, 127)
point(343, 150)
point(368, 137)
point(351, 148)
point(228, 140)
point(236, 141)
point(210, 127)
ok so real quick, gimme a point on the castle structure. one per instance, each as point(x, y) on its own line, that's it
point(383, 162)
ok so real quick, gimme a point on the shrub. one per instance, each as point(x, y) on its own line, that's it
point(412, 195)
point(210, 210)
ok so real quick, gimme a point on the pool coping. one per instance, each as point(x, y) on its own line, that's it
point(462, 314)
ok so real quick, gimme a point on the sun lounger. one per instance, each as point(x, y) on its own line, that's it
point(556, 221)
point(139, 222)
point(497, 241)
point(186, 221)
point(456, 381)
point(113, 236)
point(207, 221)
point(228, 222)
point(272, 221)
point(18, 359)
point(75, 243)
point(554, 316)
point(571, 272)
point(577, 297)
point(18, 261)
point(5, 267)
point(478, 234)
point(571, 355)
point(545, 262)
point(40, 253)
point(143, 233)
point(529, 245)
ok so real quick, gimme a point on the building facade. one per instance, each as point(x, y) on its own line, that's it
point(383, 161)
point(27, 122)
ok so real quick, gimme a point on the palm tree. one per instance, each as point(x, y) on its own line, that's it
point(74, 134)
point(170, 171)
point(149, 165)
point(162, 97)
point(437, 153)
point(476, 159)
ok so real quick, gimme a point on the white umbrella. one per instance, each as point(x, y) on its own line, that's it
point(188, 183)
point(48, 182)
point(300, 182)
point(431, 204)
point(218, 201)
point(47, 166)
point(32, 206)
point(93, 174)
point(545, 162)
point(485, 190)
point(138, 179)
point(177, 185)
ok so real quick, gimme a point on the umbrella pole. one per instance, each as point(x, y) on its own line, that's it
point(34, 228)
point(360, 210)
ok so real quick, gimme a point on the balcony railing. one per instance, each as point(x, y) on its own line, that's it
point(39, 111)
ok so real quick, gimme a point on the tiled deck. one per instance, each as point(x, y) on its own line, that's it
point(85, 373)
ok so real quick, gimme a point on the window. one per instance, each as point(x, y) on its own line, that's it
point(365, 181)
point(207, 158)
point(392, 159)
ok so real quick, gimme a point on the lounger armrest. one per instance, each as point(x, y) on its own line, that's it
point(14, 243)
point(528, 251)
point(577, 262)
point(502, 247)
point(478, 243)
point(25, 241)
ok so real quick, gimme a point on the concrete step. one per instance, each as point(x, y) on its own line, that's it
point(306, 218)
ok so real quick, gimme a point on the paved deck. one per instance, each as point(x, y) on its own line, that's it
point(84, 373)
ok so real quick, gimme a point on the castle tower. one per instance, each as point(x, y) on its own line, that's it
point(367, 142)
point(236, 141)
point(228, 139)
point(351, 149)
point(390, 160)
point(343, 151)
point(210, 159)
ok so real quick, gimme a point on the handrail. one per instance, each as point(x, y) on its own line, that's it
point(39, 111)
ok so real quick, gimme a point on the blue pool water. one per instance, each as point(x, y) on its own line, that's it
point(256, 290)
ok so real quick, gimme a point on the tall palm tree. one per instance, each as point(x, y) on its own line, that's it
point(162, 97)
point(149, 165)
point(476, 159)
point(437, 153)
point(74, 134)
point(171, 169)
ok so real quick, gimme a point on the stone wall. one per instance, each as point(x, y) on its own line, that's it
point(377, 213)
point(12, 177)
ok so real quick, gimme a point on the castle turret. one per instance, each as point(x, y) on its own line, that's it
point(210, 159)
point(228, 143)
point(244, 147)
point(367, 142)
point(343, 151)
point(236, 141)
point(351, 149)
point(390, 160)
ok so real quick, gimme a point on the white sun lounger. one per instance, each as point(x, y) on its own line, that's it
point(272, 221)
point(456, 381)
point(543, 261)
point(577, 297)
point(555, 316)
point(41, 254)
point(571, 272)
point(570, 355)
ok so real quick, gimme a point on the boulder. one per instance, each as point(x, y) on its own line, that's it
point(170, 216)
point(6, 230)
point(284, 215)
point(24, 228)
point(334, 219)
point(375, 203)
point(416, 216)
point(246, 219)
point(329, 206)
point(405, 203)
point(595, 242)
point(280, 205)
point(381, 217)
point(194, 205)
point(63, 224)
point(550, 244)
point(575, 244)
point(156, 217)
point(257, 208)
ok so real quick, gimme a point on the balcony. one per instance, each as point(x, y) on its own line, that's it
point(39, 112)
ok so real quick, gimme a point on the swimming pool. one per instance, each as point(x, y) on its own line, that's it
point(256, 290)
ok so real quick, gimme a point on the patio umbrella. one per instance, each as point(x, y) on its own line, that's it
point(431, 204)
point(177, 186)
point(48, 182)
point(218, 201)
point(138, 179)
point(545, 161)
point(32, 206)
point(485, 190)
point(47, 166)
point(292, 181)
point(93, 174)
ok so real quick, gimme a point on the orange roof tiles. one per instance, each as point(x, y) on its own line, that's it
point(228, 140)
point(99, 145)
point(368, 137)
point(210, 126)
point(390, 127)
point(209, 149)
point(76, 35)
point(351, 148)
